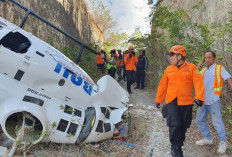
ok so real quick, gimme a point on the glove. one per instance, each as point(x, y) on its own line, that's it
point(157, 105)
point(198, 102)
point(130, 55)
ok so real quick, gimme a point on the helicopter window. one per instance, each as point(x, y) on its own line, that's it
point(34, 100)
point(106, 112)
point(87, 126)
point(103, 110)
point(68, 109)
point(99, 126)
point(62, 125)
point(16, 42)
point(1, 27)
point(107, 127)
point(38, 53)
point(18, 76)
point(77, 112)
point(72, 129)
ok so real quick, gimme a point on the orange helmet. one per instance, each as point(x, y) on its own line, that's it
point(130, 47)
point(179, 49)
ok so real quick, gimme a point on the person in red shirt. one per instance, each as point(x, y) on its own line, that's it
point(176, 87)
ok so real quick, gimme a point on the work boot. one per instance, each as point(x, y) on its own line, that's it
point(222, 147)
point(176, 151)
point(129, 91)
point(204, 141)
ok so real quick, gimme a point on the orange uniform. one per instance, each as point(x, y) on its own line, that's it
point(120, 62)
point(99, 59)
point(178, 83)
point(130, 62)
point(116, 55)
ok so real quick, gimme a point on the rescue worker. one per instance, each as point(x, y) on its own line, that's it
point(103, 54)
point(141, 69)
point(119, 65)
point(111, 64)
point(176, 87)
point(124, 66)
point(100, 62)
point(213, 76)
point(130, 61)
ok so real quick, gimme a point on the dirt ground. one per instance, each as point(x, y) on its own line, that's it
point(148, 137)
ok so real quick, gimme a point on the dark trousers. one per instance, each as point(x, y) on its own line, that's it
point(130, 79)
point(178, 120)
point(119, 72)
point(112, 72)
point(124, 72)
point(140, 77)
point(101, 67)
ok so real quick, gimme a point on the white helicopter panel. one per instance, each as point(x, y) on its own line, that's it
point(16, 106)
point(51, 71)
point(116, 96)
point(103, 127)
point(6, 27)
point(58, 123)
point(46, 95)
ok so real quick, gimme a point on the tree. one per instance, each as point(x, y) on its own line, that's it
point(101, 15)
point(137, 39)
point(116, 40)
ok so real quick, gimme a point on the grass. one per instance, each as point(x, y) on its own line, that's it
point(138, 136)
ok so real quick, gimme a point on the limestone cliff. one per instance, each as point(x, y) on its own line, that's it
point(207, 11)
point(70, 15)
point(214, 14)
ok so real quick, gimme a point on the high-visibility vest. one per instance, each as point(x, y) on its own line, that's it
point(218, 82)
point(109, 66)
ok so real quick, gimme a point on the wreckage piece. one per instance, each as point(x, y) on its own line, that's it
point(42, 89)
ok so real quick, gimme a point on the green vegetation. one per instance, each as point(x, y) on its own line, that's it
point(116, 40)
point(174, 26)
point(171, 26)
point(87, 62)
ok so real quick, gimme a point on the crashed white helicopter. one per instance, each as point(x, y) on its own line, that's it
point(44, 90)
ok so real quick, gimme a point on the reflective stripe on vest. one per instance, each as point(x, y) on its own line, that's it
point(109, 66)
point(218, 82)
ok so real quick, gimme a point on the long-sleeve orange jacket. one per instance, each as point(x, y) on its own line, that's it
point(130, 62)
point(178, 83)
point(99, 59)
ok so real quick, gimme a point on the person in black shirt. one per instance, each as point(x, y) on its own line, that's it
point(141, 69)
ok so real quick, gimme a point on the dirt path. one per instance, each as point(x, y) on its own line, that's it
point(158, 144)
point(148, 134)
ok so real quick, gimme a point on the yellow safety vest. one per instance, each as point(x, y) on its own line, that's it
point(218, 82)
point(109, 66)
